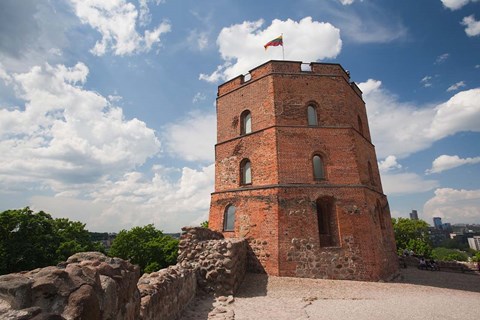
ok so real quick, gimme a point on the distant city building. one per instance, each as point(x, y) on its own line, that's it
point(414, 215)
point(437, 223)
point(474, 242)
point(437, 236)
point(447, 227)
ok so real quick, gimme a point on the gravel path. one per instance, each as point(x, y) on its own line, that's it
point(416, 295)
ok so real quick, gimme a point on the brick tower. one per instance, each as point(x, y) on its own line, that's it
point(296, 174)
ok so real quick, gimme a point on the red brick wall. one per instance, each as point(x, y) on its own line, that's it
point(277, 212)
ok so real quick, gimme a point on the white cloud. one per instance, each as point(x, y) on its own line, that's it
point(446, 162)
point(442, 58)
point(29, 33)
point(136, 200)
point(65, 134)
point(395, 182)
point(198, 97)
point(75, 145)
point(406, 183)
point(116, 21)
point(390, 163)
point(456, 4)
point(400, 128)
point(241, 45)
point(145, 16)
point(368, 23)
point(455, 206)
point(456, 86)
point(193, 138)
point(472, 26)
point(346, 2)
point(426, 81)
point(198, 40)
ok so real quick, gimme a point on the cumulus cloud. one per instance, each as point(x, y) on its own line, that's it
point(346, 2)
point(446, 162)
point(453, 205)
point(29, 33)
point(116, 21)
point(65, 134)
point(472, 26)
point(76, 148)
point(192, 138)
point(137, 199)
point(397, 181)
point(145, 16)
point(456, 4)
point(400, 128)
point(406, 183)
point(456, 86)
point(388, 164)
point(241, 45)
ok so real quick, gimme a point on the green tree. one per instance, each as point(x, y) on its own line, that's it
point(204, 224)
point(445, 254)
point(145, 246)
point(476, 256)
point(73, 238)
point(31, 240)
point(412, 235)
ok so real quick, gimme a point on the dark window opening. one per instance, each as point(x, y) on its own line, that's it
point(327, 223)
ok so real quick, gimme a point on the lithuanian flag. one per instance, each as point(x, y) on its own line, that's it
point(275, 42)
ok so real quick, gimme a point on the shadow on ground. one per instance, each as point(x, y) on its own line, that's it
point(254, 285)
point(468, 281)
point(199, 308)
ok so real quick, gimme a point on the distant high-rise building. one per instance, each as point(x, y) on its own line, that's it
point(437, 223)
point(414, 215)
point(474, 242)
point(447, 226)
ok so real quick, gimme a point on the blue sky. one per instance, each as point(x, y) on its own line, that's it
point(107, 107)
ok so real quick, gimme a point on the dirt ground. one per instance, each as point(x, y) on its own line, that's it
point(416, 294)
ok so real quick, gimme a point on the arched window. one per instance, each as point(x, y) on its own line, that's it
point(360, 125)
point(229, 219)
point(370, 174)
point(318, 170)
point(245, 172)
point(246, 122)
point(312, 116)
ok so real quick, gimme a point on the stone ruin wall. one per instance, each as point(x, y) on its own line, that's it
point(91, 286)
point(220, 263)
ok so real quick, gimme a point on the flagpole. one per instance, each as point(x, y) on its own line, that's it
point(283, 50)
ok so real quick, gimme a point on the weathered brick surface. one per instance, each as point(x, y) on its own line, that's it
point(277, 213)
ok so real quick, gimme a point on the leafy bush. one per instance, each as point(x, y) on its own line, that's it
point(445, 254)
point(145, 246)
point(31, 240)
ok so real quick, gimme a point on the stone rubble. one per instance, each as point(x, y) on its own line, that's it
point(91, 286)
point(88, 286)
